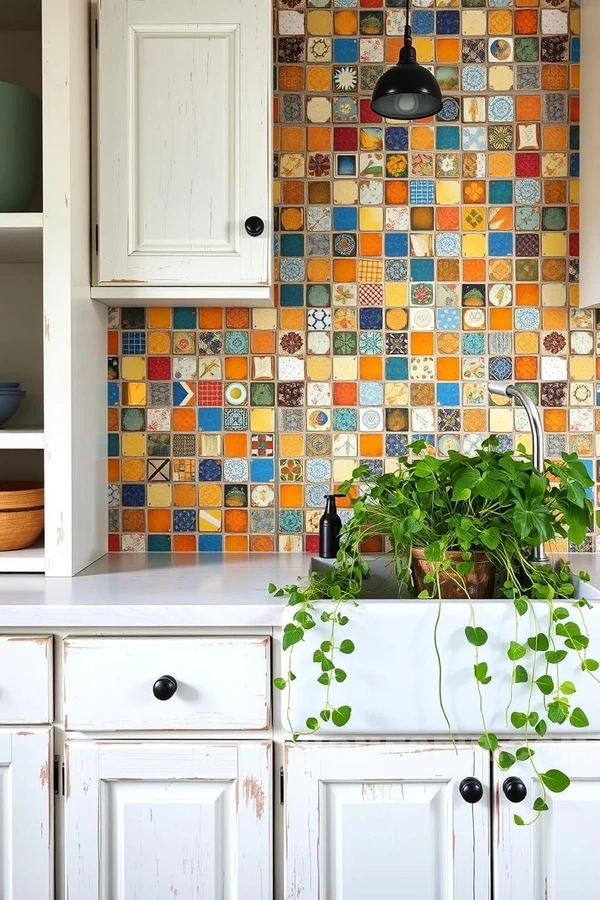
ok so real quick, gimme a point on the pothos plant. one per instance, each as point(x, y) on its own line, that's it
point(493, 502)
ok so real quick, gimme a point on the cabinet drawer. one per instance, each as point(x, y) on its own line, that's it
point(25, 679)
point(220, 683)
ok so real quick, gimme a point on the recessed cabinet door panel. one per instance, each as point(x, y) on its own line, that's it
point(557, 857)
point(385, 821)
point(178, 819)
point(183, 142)
point(25, 811)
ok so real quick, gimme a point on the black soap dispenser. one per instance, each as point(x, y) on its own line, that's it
point(329, 529)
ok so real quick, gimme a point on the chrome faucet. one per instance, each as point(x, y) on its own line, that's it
point(500, 389)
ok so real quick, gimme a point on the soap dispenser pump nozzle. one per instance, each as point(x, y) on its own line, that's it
point(330, 526)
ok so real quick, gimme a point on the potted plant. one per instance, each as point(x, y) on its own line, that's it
point(464, 527)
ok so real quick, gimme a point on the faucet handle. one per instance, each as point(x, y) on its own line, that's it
point(499, 388)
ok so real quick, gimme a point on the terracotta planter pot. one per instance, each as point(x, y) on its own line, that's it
point(480, 583)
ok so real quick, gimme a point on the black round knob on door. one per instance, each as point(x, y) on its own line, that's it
point(471, 789)
point(514, 790)
point(164, 687)
point(254, 226)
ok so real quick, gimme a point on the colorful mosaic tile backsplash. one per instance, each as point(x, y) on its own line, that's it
point(414, 262)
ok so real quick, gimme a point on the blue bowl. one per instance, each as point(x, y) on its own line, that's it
point(9, 404)
point(10, 385)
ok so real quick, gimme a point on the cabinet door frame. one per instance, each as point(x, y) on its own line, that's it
point(307, 766)
point(91, 764)
point(28, 755)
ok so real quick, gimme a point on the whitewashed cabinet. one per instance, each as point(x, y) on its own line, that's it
point(183, 169)
point(385, 821)
point(26, 844)
point(182, 819)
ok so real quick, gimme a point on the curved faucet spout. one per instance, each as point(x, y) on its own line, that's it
point(500, 389)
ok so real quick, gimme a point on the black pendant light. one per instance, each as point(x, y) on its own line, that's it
point(407, 90)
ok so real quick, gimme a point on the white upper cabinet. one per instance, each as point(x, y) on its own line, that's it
point(183, 168)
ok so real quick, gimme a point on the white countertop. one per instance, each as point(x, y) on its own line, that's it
point(170, 590)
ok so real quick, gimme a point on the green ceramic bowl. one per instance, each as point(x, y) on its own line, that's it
point(20, 130)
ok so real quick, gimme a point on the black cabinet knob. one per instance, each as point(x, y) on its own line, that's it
point(471, 789)
point(254, 226)
point(514, 790)
point(164, 687)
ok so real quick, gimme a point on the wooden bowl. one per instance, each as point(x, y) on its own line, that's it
point(17, 495)
point(20, 529)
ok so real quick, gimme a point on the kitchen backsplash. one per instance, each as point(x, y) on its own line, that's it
point(414, 263)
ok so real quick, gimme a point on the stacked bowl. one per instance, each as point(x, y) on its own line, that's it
point(11, 396)
point(21, 514)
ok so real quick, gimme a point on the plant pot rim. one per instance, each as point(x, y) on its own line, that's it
point(476, 556)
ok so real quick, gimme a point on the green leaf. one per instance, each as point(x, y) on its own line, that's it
point(476, 636)
point(326, 665)
point(340, 675)
point(279, 683)
point(560, 613)
point(590, 665)
point(541, 728)
point(555, 780)
point(341, 716)
point(324, 678)
point(505, 760)
point(518, 720)
point(488, 741)
point(521, 675)
point(540, 805)
point(318, 656)
point(326, 646)
point(490, 537)
point(521, 605)
point(539, 642)
point(312, 724)
point(516, 651)
point(533, 719)
point(567, 687)
point(557, 712)
point(518, 820)
point(272, 587)
point(481, 673)
point(347, 646)
point(555, 656)
point(464, 484)
point(578, 718)
point(524, 753)
point(545, 684)
point(325, 715)
point(291, 635)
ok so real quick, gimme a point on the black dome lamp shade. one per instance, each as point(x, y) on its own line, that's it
point(407, 90)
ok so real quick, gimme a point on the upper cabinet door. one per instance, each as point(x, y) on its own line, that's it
point(385, 821)
point(183, 148)
point(556, 858)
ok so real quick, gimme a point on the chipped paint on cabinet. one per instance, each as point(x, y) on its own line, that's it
point(384, 821)
point(151, 820)
point(25, 679)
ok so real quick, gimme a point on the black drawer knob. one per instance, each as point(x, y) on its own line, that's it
point(254, 226)
point(164, 687)
point(514, 790)
point(471, 789)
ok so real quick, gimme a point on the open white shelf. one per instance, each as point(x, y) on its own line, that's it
point(29, 560)
point(21, 438)
point(21, 237)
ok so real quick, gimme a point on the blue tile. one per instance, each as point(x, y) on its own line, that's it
point(396, 138)
point(422, 192)
point(447, 137)
point(292, 244)
point(448, 319)
point(421, 269)
point(500, 243)
point(184, 317)
point(184, 520)
point(345, 218)
point(396, 244)
point(574, 165)
point(133, 343)
point(345, 50)
point(575, 50)
point(422, 21)
point(396, 368)
point(501, 192)
point(112, 390)
point(262, 470)
point(210, 543)
point(291, 295)
point(113, 445)
point(133, 495)
point(447, 21)
point(159, 543)
point(370, 318)
point(209, 470)
point(447, 393)
point(210, 418)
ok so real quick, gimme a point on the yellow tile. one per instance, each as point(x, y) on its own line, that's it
point(319, 22)
point(447, 192)
point(574, 295)
point(342, 469)
point(473, 218)
point(277, 192)
point(133, 368)
point(526, 342)
point(345, 368)
point(134, 393)
point(473, 244)
point(396, 294)
point(554, 243)
point(291, 445)
point(264, 319)
point(133, 445)
point(574, 190)
point(501, 420)
point(159, 495)
point(396, 393)
point(581, 368)
point(345, 191)
point(133, 470)
point(209, 519)
point(554, 295)
point(370, 218)
point(474, 22)
point(425, 49)
point(574, 21)
point(318, 368)
point(262, 419)
point(159, 317)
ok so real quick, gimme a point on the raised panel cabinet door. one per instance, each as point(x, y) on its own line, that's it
point(154, 820)
point(183, 144)
point(385, 821)
point(557, 857)
point(26, 841)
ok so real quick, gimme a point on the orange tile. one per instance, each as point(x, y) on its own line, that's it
point(501, 164)
point(528, 107)
point(396, 193)
point(448, 270)
point(345, 393)
point(574, 218)
point(526, 21)
point(159, 520)
point(344, 270)
point(113, 469)
point(421, 343)
point(421, 137)
point(236, 368)
point(113, 343)
point(184, 419)
point(393, 46)
point(345, 22)
point(236, 444)
point(448, 218)
point(526, 368)
point(262, 543)
point(292, 138)
point(527, 295)
point(159, 317)
point(555, 420)
point(371, 368)
point(575, 73)
point(370, 244)
point(210, 317)
point(473, 270)
point(344, 502)
point(318, 270)
point(448, 50)
point(474, 420)
point(184, 543)
point(292, 219)
point(290, 78)
point(554, 78)
point(474, 191)
point(448, 368)
point(237, 317)
point(184, 495)
point(133, 469)
point(371, 445)
point(113, 419)
point(501, 319)
point(555, 137)
point(276, 108)
point(236, 520)
point(291, 318)
point(236, 543)
point(291, 445)
point(293, 192)
point(276, 138)
point(133, 520)
point(210, 495)
point(291, 496)
point(500, 21)
point(319, 138)
point(262, 342)
point(554, 319)
point(319, 78)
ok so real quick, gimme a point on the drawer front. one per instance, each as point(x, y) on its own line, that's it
point(26, 679)
point(221, 683)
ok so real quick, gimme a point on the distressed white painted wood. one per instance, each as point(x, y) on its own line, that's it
point(183, 819)
point(25, 679)
point(557, 858)
point(589, 180)
point(26, 841)
point(74, 326)
point(183, 115)
point(385, 821)
point(221, 683)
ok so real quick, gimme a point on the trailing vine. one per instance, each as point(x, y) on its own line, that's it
point(493, 502)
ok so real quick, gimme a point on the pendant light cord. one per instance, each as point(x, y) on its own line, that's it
point(407, 29)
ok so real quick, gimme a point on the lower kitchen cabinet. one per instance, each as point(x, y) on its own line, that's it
point(385, 820)
point(157, 819)
point(26, 846)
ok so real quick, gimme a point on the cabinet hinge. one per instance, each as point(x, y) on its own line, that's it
point(56, 774)
point(281, 786)
point(96, 33)
point(97, 239)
